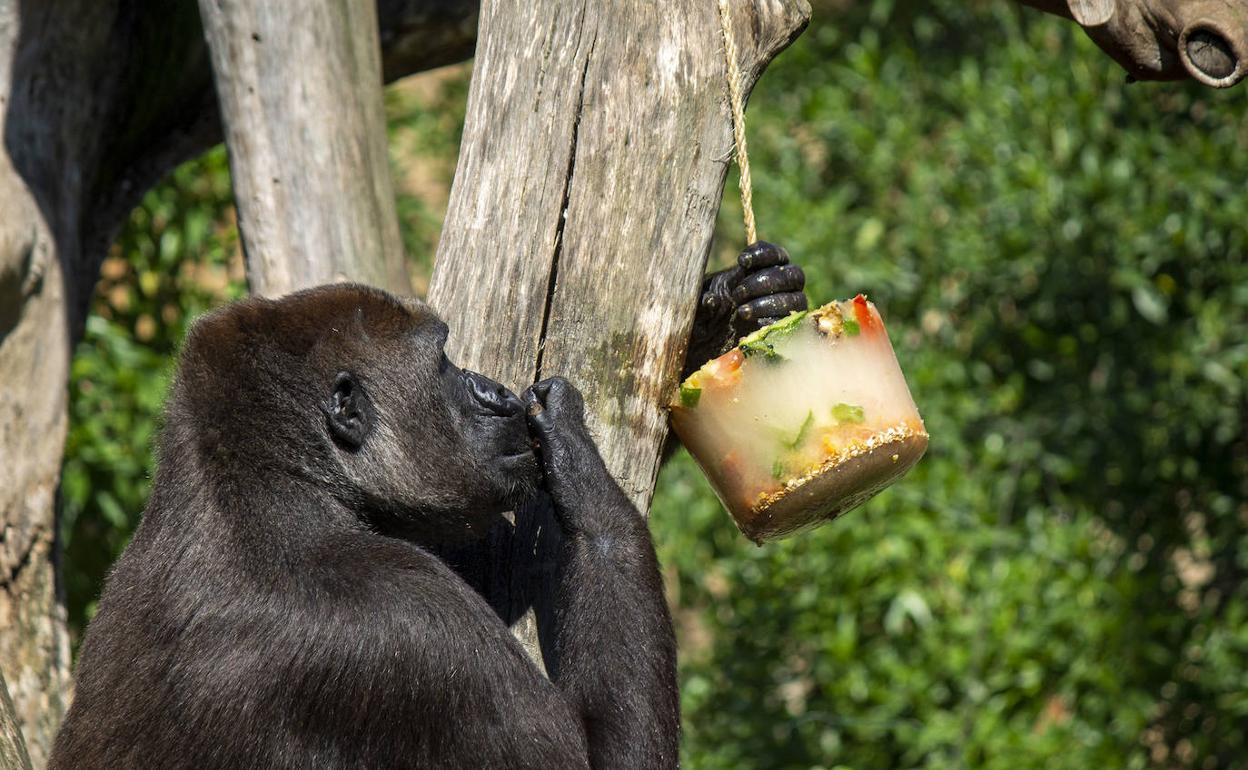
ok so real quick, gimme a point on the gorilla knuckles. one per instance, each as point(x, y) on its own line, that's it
point(556, 414)
point(349, 388)
point(763, 287)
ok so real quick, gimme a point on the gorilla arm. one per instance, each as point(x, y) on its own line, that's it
point(612, 700)
point(446, 683)
point(616, 651)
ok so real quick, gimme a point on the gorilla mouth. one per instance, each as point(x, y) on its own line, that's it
point(514, 459)
point(521, 475)
point(501, 433)
point(518, 457)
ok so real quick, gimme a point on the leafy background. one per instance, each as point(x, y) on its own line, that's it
point(1061, 260)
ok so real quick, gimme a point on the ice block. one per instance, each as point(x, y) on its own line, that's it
point(802, 420)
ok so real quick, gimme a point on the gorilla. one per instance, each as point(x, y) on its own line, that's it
point(282, 603)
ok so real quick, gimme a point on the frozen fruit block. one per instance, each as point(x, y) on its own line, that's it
point(803, 420)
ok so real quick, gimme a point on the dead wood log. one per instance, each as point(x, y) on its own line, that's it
point(300, 91)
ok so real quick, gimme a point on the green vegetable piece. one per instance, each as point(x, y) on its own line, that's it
point(788, 323)
point(760, 347)
point(852, 328)
point(802, 431)
point(690, 396)
point(778, 469)
point(848, 413)
point(761, 341)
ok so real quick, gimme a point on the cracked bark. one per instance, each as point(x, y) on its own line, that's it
point(580, 219)
point(13, 755)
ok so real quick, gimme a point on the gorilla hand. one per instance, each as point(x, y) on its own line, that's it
point(761, 288)
point(575, 475)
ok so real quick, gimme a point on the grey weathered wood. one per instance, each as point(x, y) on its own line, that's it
point(34, 360)
point(1206, 40)
point(1091, 13)
point(300, 92)
point(594, 154)
point(13, 755)
point(50, 122)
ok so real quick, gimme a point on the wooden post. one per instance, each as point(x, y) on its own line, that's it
point(50, 135)
point(300, 93)
point(13, 754)
point(594, 154)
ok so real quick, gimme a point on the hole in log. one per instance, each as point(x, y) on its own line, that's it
point(1210, 53)
point(1211, 56)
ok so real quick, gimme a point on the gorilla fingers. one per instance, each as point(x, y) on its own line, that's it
point(761, 288)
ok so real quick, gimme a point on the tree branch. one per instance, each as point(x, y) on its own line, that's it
point(1206, 40)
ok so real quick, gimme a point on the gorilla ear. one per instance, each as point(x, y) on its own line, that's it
point(350, 413)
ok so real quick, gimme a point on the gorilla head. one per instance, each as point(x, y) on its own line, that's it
point(348, 388)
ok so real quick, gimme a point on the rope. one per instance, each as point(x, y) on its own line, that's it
point(738, 123)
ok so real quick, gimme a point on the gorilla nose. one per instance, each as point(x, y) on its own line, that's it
point(493, 396)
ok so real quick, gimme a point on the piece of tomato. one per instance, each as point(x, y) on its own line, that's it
point(723, 371)
point(862, 312)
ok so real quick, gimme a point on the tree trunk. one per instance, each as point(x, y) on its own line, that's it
point(593, 160)
point(40, 197)
point(13, 754)
point(300, 92)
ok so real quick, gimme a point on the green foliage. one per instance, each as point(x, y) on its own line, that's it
point(1061, 262)
point(1060, 259)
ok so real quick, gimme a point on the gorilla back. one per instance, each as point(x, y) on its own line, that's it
point(280, 604)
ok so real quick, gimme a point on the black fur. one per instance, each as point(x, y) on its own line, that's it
point(279, 606)
point(764, 286)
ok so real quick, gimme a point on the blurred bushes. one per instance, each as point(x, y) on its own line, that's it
point(1061, 260)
